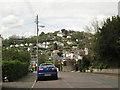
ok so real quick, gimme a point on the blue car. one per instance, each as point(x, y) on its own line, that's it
point(47, 70)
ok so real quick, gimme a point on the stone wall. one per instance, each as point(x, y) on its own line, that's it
point(105, 71)
point(67, 68)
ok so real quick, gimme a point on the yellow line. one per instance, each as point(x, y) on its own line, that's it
point(33, 84)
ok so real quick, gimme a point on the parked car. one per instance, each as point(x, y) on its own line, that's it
point(47, 70)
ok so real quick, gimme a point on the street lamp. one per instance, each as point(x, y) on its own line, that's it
point(41, 26)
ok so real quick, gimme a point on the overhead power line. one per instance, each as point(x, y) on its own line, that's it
point(30, 8)
point(51, 25)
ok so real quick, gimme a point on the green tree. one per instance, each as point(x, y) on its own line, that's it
point(42, 58)
point(13, 54)
point(106, 43)
point(108, 46)
point(55, 46)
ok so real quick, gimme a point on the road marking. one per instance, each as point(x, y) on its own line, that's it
point(33, 84)
point(68, 84)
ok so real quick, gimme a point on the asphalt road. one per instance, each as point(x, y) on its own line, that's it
point(79, 80)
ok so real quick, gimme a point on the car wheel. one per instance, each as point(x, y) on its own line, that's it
point(38, 79)
point(56, 77)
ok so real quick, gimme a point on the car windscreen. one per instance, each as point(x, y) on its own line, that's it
point(47, 65)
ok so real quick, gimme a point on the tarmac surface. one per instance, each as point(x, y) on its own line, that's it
point(66, 80)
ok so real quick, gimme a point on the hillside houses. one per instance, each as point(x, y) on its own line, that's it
point(71, 44)
point(60, 34)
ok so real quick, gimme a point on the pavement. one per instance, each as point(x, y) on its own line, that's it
point(25, 82)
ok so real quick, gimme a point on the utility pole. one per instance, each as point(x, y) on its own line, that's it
point(37, 38)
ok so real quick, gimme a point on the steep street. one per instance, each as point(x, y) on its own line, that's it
point(79, 80)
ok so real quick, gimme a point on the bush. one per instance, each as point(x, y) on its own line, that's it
point(15, 54)
point(56, 63)
point(14, 69)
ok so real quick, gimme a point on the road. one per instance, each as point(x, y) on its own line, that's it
point(79, 80)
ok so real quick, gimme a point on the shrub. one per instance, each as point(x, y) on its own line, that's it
point(14, 69)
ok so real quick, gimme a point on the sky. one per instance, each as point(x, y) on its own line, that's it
point(17, 17)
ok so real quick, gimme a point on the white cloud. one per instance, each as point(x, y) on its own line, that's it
point(58, 14)
point(12, 20)
point(3, 29)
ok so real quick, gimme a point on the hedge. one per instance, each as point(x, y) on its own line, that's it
point(14, 69)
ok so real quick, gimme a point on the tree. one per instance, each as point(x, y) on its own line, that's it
point(42, 58)
point(55, 46)
point(106, 42)
point(42, 33)
point(108, 46)
point(85, 63)
point(65, 32)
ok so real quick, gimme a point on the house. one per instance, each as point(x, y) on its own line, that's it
point(74, 47)
point(58, 43)
point(61, 44)
point(26, 44)
point(60, 34)
point(16, 45)
point(77, 40)
point(86, 51)
point(55, 52)
point(48, 43)
point(68, 55)
point(21, 45)
point(81, 52)
point(69, 42)
point(11, 45)
point(42, 45)
point(68, 36)
point(30, 44)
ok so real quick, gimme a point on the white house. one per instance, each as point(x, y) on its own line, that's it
point(28, 49)
point(16, 45)
point(30, 44)
point(21, 45)
point(60, 34)
point(68, 36)
point(26, 44)
point(61, 44)
point(11, 45)
point(47, 43)
point(69, 42)
point(42, 45)
point(86, 51)
point(74, 47)
point(77, 40)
